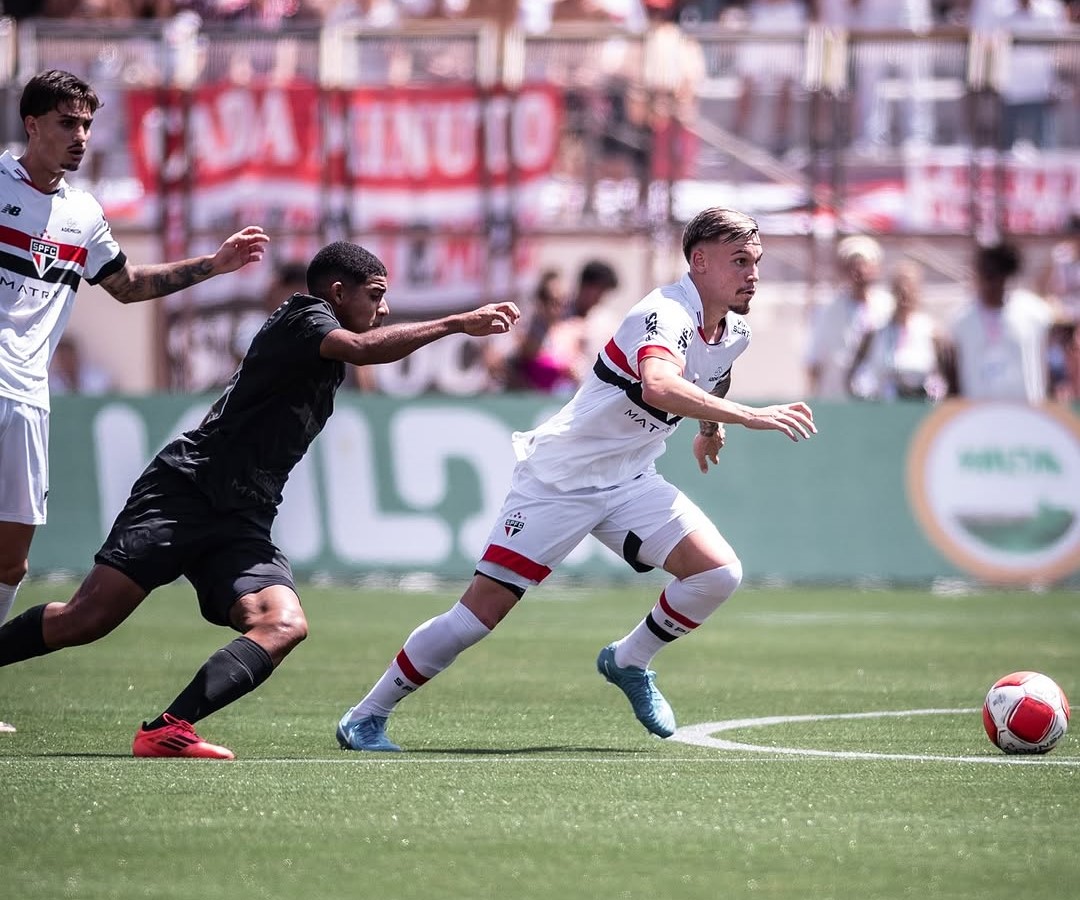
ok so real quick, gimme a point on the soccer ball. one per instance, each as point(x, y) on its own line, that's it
point(1025, 712)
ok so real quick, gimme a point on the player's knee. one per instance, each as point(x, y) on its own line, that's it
point(12, 572)
point(727, 578)
point(290, 626)
point(716, 585)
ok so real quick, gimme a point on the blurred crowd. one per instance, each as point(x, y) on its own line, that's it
point(538, 15)
point(875, 338)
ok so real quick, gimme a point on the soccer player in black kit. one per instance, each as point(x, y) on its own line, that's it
point(204, 506)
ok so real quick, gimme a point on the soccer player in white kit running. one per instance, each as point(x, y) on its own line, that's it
point(52, 236)
point(590, 469)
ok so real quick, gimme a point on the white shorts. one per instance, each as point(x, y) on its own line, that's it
point(24, 462)
point(538, 526)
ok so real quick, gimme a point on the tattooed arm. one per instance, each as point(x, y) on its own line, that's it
point(709, 440)
point(712, 429)
point(135, 283)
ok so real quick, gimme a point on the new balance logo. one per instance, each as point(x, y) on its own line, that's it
point(9, 210)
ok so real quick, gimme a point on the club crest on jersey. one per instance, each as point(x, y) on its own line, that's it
point(44, 254)
point(514, 523)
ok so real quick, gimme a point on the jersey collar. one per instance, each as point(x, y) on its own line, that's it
point(10, 164)
point(687, 284)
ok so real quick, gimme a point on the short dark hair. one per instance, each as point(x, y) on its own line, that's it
point(599, 273)
point(1001, 260)
point(717, 224)
point(291, 273)
point(342, 261)
point(46, 91)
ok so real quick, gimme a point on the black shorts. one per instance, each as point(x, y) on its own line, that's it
point(168, 528)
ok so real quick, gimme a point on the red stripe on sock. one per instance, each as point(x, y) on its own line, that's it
point(408, 669)
point(678, 617)
point(516, 563)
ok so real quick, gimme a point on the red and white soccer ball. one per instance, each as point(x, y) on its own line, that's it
point(1025, 712)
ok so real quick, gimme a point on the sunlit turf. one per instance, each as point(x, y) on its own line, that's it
point(526, 775)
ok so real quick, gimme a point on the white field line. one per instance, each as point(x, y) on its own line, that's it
point(702, 736)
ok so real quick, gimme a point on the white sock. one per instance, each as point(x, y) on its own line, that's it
point(7, 599)
point(427, 651)
point(683, 605)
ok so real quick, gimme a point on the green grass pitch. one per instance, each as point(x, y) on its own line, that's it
point(526, 775)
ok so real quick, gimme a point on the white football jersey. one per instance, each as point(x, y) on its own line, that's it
point(48, 244)
point(606, 434)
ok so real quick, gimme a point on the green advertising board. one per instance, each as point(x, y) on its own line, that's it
point(896, 492)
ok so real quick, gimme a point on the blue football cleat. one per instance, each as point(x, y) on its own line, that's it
point(368, 733)
point(639, 685)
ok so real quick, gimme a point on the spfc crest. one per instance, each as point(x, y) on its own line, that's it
point(514, 523)
point(44, 254)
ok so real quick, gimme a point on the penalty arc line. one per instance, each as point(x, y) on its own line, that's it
point(701, 735)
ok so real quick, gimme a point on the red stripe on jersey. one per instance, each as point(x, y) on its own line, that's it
point(660, 353)
point(619, 358)
point(21, 240)
point(516, 563)
point(678, 617)
point(408, 669)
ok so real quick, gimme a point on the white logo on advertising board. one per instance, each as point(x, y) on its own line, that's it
point(996, 486)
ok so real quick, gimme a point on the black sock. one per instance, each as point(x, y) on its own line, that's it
point(21, 638)
point(233, 671)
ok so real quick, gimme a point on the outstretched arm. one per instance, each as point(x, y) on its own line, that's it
point(664, 387)
point(394, 342)
point(133, 284)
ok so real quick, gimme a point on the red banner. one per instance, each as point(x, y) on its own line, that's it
point(387, 157)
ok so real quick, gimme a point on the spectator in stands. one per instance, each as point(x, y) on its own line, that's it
point(1063, 357)
point(588, 309)
point(627, 14)
point(1061, 282)
point(771, 68)
point(1029, 85)
point(837, 329)
point(674, 70)
point(71, 373)
point(999, 341)
point(902, 360)
point(548, 355)
point(907, 65)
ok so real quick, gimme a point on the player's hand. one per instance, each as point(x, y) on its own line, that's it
point(707, 449)
point(492, 318)
point(796, 420)
point(247, 245)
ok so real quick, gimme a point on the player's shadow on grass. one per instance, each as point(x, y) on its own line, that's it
point(518, 751)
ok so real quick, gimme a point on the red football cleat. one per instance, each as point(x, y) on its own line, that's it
point(176, 738)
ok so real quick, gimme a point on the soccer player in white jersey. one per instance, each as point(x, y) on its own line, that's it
point(590, 470)
point(52, 236)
